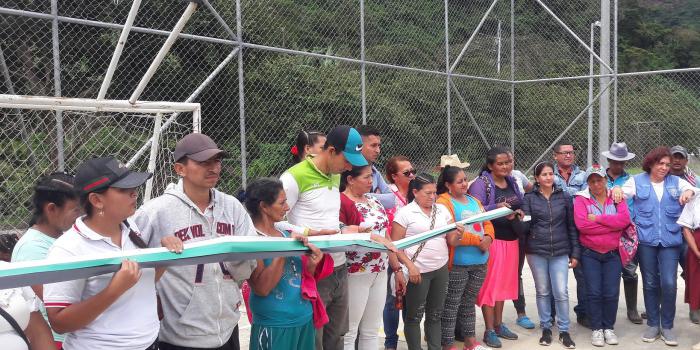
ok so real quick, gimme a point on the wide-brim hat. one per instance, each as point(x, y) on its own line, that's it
point(618, 151)
point(452, 160)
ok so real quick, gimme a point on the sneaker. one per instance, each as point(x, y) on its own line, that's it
point(491, 339)
point(696, 346)
point(477, 346)
point(546, 338)
point(694, 316)
point(503, 332)
point(565, 339)
point(650, 334)
point(524, 321)
point(597, 338)
point(669, 337)
point(610, 337)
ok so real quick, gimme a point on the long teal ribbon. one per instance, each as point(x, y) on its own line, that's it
point(228, 248)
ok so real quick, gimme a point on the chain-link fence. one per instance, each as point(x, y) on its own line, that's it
point(433, 76)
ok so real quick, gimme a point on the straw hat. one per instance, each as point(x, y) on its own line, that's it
point(452, 160)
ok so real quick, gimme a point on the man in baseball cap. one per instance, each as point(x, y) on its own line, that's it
point(312, 189)
point(679, 165)
point(200, 302)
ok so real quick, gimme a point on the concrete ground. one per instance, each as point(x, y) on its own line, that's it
point(629, 334)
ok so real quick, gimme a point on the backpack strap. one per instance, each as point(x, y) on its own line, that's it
point(15, 326)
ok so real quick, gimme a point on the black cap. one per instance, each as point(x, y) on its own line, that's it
point(96, 174)
point(198, 147)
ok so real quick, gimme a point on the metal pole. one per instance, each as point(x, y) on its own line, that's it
point(568, 128)
point(512, 75)
point(22, 125)
point(448, 79)
point(363, 89)
point(474, 33)
point(498, 49)
point(219, 19)
point(589, 149)
point(6, 11)
point(571, 32)
point(118, 49)
point(163, 51)
point(604, 103)
point(471, 117)
point(581, 77)
point(191, 98)
point(60, 153)
point(615, 72)
point(154, 156)
point(197, 120)
point(241, 96)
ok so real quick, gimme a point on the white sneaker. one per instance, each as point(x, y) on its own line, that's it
point(696, 346)
point(610, 337)
point(597, 338)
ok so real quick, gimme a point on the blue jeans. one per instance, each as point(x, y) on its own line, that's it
point(551, 280)
point(581, 293)
point(659, 267)
point(602, 273)
point(391, 317)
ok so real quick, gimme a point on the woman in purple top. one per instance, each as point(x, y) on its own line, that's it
point(495, 188)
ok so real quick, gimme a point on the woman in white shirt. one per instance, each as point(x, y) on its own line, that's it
point(658, 198)
point(23, 306)
point(113, 310)
point(690, 221)
point(426, 262)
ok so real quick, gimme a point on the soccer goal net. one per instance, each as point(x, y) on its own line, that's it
point(45, 135)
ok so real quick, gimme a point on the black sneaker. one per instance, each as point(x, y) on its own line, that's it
point(565, 339)
point(546, 338)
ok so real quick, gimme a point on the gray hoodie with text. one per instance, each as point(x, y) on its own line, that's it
point(200, 302)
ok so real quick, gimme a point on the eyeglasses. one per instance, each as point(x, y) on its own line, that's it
point(567, 153)
point(409, 172)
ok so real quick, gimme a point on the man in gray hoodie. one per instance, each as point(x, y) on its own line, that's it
point(199, 302)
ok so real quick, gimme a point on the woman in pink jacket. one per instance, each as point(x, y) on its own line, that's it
point(600, 223)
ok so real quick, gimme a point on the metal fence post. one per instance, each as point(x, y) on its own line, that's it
point(60, 156)
point(363, 87)
point(604, 102)
point(241, 94)
point(615, 71)
point(512, 75)
point(448, 78)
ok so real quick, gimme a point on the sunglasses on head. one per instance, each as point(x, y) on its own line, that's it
point(409, 172)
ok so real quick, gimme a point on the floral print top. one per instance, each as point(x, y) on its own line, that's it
point(374, 215)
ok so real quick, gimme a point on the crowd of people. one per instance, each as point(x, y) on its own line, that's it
point(602, 223)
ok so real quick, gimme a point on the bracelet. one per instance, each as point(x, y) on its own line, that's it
point(306, 232)
point(396, 269)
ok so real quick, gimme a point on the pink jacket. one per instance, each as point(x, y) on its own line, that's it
point(603, 234)
point(309, 290)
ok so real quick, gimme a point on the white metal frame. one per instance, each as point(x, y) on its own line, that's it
point(149, 109)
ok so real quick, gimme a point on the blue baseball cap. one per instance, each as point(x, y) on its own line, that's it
point(348, 140)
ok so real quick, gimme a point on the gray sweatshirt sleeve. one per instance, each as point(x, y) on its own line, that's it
point(242, 269)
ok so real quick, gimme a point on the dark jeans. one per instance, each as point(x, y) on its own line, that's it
point(334, 293)
point(391, 316)
point(602, 273)
point(519, 304)
point(581, 308)
point(629, 271)
point(232, 344)
point(659, 267)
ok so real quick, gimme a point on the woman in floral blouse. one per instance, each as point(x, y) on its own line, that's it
point(366, 270)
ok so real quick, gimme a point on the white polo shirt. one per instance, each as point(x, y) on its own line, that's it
point(690, 217)
point(131, 322)
point(434, 254)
